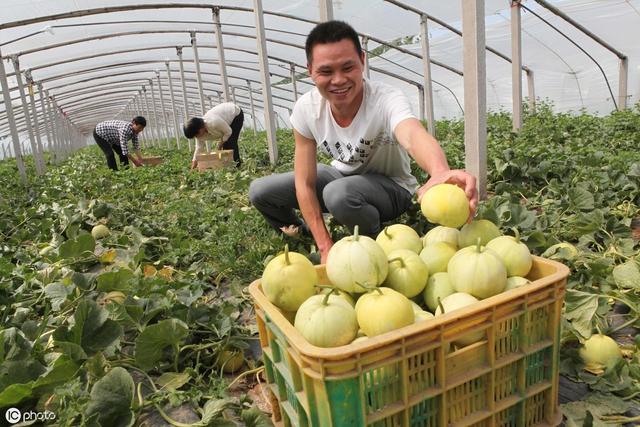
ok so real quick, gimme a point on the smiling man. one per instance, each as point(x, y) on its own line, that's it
point(369, 131)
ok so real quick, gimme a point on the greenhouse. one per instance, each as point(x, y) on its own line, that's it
point(320, 213)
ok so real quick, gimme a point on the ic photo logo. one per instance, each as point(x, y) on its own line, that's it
point(14, 416)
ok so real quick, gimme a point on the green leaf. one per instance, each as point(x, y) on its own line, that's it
point(581, 197)
point(213, 413)
point(150, 344)
point(112, 398)
point(627, 275)
point(92, 329)
point(592, 407)
point(14, 345)
point(119, 280)
point(81, 246)
point(15, 394)
point(74, 351)
point(173, 380)
point(62, 370)
point(580, 307)
point(57, 293)
point(255, 418)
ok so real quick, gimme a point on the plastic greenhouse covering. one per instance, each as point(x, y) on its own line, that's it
point(95, 65)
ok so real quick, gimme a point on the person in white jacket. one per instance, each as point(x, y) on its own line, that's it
point(222, 123)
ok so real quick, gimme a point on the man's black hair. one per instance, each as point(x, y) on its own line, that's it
point(192, 127)
point(331, 32)
point(140, 120)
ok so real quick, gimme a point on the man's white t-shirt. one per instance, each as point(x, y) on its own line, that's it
point(368, 144)
point(218, 123)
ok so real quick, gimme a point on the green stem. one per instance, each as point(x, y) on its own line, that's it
point(325, 300)
point(440, 305)
point(386, 233)
point(517, 234)
point(286, 255)
point(244, 374)
point(624, 325)
point(398, 259)
point(356, 236)
point(478, 245)
point(199, 347)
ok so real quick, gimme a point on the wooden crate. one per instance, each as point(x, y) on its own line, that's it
point(151, 161)
point(215, 160)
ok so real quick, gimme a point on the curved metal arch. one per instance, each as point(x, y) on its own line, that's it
point(125, 64)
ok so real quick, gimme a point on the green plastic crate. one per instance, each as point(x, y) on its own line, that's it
point(414, 377)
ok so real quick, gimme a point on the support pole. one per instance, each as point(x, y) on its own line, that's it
point(365, 49)
point(164, 111)
point(196, 61)
point(36, 124)
point(516, 64)
point(25, 109)
point(221, 61)
point(184, 90)
point(15, 139)
point(266, 80)
point(146, 107)
point(253, 109)
point(326, 10)
point(46, 121)
point(426, 64)
point(421, 102)
point(156, 126)
point(622, 85)
point(294, 80)
point(173, 105)
point(51, 113)
point(140, 112)
point(475, 101)
point(531, 91)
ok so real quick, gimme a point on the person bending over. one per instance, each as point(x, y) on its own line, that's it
point(222, 123)
point(112, 137)
point(369, 131)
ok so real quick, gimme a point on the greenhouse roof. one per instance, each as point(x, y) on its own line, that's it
point(95, 64)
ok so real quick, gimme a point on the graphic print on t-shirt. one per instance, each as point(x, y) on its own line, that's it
point(348, 153)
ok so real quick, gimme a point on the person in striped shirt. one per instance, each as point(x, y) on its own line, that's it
point(112, 137)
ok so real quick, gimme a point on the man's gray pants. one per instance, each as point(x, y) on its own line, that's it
point(364, 200)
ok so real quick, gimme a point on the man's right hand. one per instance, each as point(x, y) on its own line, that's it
point(324, 252)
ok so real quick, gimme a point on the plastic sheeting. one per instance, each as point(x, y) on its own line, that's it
point(105, 74)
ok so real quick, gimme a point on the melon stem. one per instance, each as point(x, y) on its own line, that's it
point(355, 233)
point(478, 245)
point(286, 255)
point(325, 300)
point(517, 234)
point(398, 259)
point(386, 233)
point(440, 305)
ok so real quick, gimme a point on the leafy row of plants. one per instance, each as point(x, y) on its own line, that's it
point(114, 330)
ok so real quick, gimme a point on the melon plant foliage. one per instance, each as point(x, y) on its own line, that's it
point(183, 246)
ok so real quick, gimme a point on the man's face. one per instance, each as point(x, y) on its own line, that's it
point(137, 128)
point(336, 69)
point(202, 132)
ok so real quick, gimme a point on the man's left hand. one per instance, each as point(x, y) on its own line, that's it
point(457, 177)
